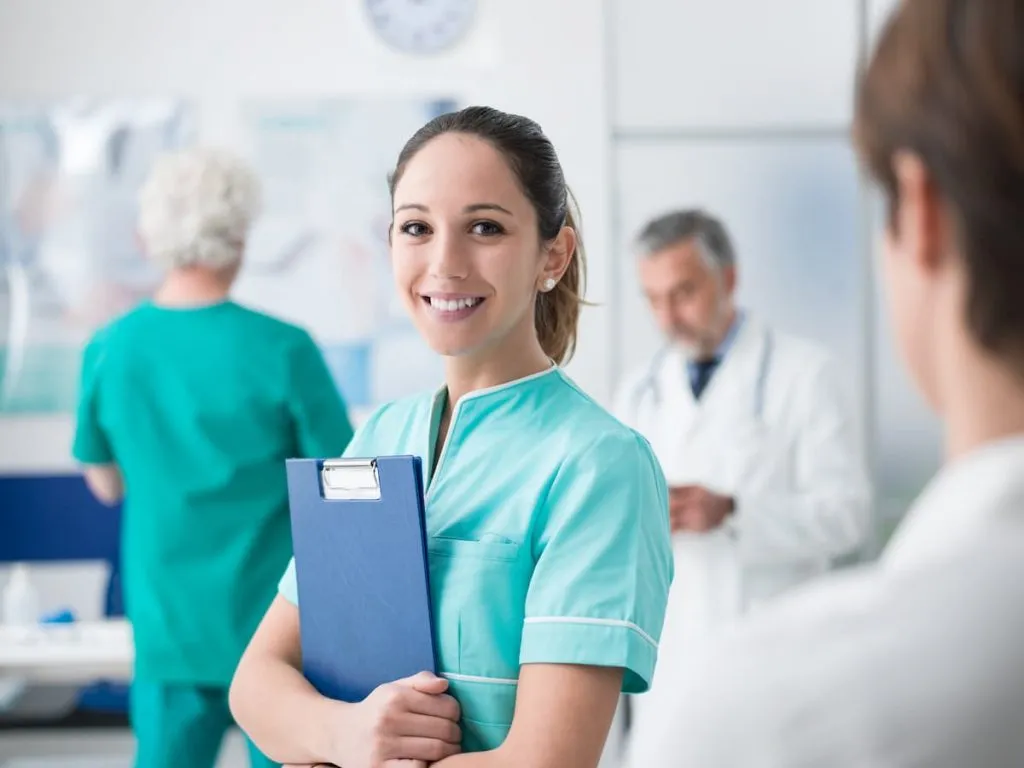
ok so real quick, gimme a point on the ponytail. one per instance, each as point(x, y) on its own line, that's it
point(557, 312)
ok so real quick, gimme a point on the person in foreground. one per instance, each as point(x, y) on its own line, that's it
point(547, 519)
point(191, 403)
point(914, 660)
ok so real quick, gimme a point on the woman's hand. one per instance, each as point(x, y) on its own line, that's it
point(406, 724)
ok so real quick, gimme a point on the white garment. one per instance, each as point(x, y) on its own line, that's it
point(910, 662)
point(773, 431)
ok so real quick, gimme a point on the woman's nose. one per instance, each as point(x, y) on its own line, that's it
point(449, 258)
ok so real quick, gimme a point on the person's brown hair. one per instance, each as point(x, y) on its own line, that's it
point(946, 83)
point(533, 160)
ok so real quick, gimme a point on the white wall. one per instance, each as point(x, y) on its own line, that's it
point(219, 51)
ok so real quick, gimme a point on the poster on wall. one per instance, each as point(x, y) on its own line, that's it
point(319, 255)
point(69, 177)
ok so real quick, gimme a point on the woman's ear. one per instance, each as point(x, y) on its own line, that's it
point(920, 223)
point(559, 256)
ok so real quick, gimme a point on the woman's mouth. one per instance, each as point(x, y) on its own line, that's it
point(453, 308)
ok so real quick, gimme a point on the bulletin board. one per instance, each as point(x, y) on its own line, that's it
point(318, 255)
point(69, 176)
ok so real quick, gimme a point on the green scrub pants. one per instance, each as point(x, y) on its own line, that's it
point(182, 725)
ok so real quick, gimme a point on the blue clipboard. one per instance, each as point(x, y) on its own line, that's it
point(361, 568)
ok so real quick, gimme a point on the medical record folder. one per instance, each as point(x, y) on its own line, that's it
point(361, 569)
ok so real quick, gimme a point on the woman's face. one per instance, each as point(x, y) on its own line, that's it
point(465, 246)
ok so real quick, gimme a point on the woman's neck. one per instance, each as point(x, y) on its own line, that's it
point(981, 397)
point(983, 405)
point(192, 288)
point(511, 360)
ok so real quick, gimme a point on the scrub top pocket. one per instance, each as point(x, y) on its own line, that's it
point(478, 588)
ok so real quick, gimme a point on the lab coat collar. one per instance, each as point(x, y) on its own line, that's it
point(736, 369)
point(673, 380)
point(970, 496)
point(722, 351)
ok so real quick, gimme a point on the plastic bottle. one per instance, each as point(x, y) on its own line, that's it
point(20, 600)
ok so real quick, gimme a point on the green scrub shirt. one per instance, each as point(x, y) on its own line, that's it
point(199, 408)
point(548, 538)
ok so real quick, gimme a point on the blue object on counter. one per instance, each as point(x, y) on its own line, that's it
point(59, 617)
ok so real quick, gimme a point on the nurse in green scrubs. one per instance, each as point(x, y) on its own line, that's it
point(189, 406)
point(547, 518)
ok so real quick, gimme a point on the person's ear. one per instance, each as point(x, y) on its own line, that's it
point(920, 224)
point(558, 256)
point(729, 277)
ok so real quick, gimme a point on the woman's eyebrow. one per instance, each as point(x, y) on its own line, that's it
point(412, 206)
point(486, 207)
point(468, 209)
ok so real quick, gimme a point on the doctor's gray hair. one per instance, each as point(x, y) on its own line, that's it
point(196, 208)
point(676, 227)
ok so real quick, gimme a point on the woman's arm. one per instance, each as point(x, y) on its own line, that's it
point(105, 482)
point(292, 723)
point(562, 718)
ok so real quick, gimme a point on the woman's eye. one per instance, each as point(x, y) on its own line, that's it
point(415, 229)
point(487, 228)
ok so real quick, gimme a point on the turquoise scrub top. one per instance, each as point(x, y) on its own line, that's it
point(548, 538)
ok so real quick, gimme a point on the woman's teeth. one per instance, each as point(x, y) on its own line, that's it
point(453, 305)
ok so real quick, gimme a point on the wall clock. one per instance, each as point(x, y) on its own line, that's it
point(421, 27)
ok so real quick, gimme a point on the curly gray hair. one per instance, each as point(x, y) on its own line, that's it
point(196, 208)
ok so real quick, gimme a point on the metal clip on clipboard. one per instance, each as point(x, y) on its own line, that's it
point(347, 479)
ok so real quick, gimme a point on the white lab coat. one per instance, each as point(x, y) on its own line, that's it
point(773, 430)
point(911, 662)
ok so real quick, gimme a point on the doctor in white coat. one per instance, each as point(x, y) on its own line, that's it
point(767, 484)
point(915, 661)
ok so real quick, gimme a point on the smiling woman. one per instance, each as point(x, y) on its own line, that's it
point(514, 196)
point(547, 518)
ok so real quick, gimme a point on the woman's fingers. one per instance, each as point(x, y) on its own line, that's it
point(428, 750)
point(435, 705)
point(429, 727)
point(426, 682)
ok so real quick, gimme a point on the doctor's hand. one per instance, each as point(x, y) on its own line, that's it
point(409, 723)
point(695, 509)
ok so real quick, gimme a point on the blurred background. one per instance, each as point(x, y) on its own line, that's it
point(739, 106)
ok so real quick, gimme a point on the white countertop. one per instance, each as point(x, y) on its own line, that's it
point(77, 653)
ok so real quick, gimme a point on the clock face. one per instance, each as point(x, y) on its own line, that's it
point(421, 26)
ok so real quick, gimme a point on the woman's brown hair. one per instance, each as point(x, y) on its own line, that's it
point(946, 83)
point(533, 160)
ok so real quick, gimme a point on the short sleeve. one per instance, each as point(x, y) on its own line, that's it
point(91, 444)
point(600, 586)
point(288, 586)
point(322, 425)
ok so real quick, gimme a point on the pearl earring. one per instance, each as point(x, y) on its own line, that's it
point(549, 284)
